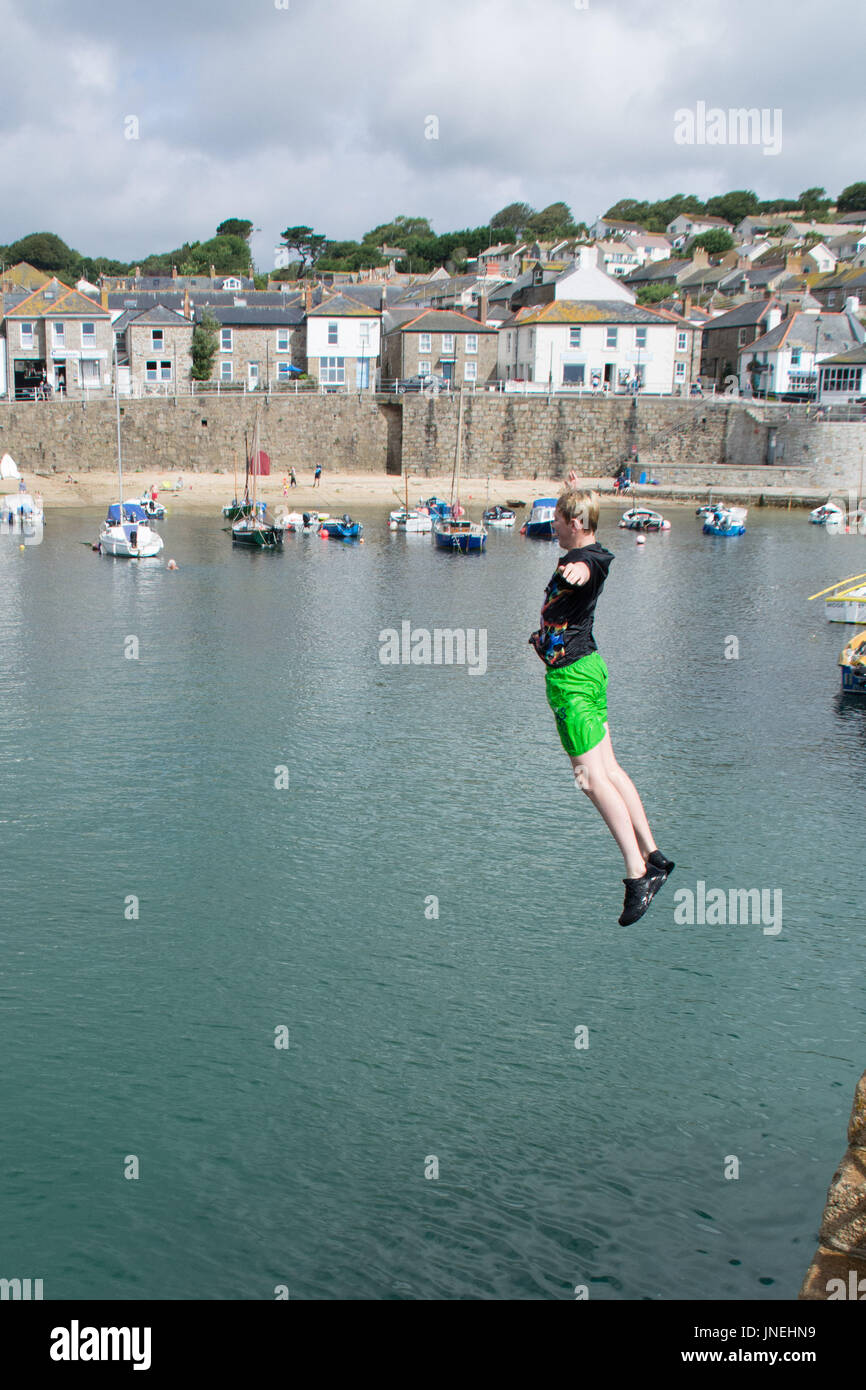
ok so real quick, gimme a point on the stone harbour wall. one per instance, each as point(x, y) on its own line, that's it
point(523, 438)
point(838, 1270)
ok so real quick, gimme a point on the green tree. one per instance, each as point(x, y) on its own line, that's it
point(205, 341)
point(235, 226)
point(553, 221)
point(47, 251)
point(852, 198)
point(513, 217)
point(813, 199)
point(309, 245)
point(715, 243)
point(653, 294)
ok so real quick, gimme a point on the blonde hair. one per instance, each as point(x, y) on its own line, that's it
point(579, 506)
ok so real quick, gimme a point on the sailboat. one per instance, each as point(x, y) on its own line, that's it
point(409, 520)
point(251, 528)
point(457, 532)
point(125, 532)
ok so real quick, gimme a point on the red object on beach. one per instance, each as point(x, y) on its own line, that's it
point(261, 464)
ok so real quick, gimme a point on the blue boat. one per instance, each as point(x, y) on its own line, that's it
point(436, 507)
point(342, 528)
point(460, 535)
point(540, 520)
point(726, 521)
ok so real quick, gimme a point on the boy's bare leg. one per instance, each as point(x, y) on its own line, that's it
point(591, 776)
point(629, 793)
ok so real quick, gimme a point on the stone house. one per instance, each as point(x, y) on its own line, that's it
point(725, 336)
point(258, 345)
point(56, 335)
point(785, 359)
point(155, 345)
point(439, 342)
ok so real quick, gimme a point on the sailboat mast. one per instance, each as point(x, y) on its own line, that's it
point(456, 485)
point(119, 455)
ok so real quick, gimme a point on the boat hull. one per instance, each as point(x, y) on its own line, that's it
point(258, 537)
point(130, 542)
point(464, 541)
point(846, 610)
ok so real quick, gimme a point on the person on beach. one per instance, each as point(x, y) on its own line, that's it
point(576, 685)
point(317, 475)
point(293, 481)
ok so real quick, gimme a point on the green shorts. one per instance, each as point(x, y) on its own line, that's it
point(577, 694)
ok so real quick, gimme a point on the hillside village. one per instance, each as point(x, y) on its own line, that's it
point(624, 311)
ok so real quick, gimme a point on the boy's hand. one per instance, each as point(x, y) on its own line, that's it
point(572, 479)
point(575, 572)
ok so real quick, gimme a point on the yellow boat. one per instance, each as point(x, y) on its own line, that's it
point(845, 601)
point(853, 663)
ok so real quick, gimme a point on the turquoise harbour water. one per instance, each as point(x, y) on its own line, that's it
point(413, 1036)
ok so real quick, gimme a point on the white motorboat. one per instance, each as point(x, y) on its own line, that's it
point(412, 521)
point(19, 511)
point(828, 511)
point(844, 601)
point(644, 519)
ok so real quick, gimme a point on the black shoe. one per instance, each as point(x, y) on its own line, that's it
point(639, 893)
point(657, 861)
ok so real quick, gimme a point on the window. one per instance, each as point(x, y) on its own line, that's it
point(226, 345)
point(682, 341)
point(471, 342)
point(574, 337)
point(90, 373)
point(447, 344)
point(741, 337)
point(225, 371)
point(60, 334)
point(333, 332)
point(157, 340)
point(679, 371)
point(284, 371)
point(573, 373)
point(364, 335)
point(425, 342)
point(165, 371)
point(424, 368)
point(283, 336)
point(611, 337)
point(640, 337)
point(332, 371)
point(470, 371)
point(27, 335)
point(795, 356)
point(841, 378)
point(151, 371)
point(88, 335)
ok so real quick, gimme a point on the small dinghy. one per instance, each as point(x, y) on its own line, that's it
point(499, 516)
point(341, 528)
point(643, 519)
point(539, 523)
point(828, 511)
point(726, 521)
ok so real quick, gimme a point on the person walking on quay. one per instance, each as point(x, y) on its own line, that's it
point(317, 475)
point(576, 685)
point(293, 481)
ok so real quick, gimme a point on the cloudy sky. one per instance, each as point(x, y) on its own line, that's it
point(319, 111)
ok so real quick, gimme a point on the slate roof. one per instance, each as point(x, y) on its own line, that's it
point(54, 299)
point(841, 279)
point(441, 321)
point(854, 357)
point(156, 317)
point(136, 300)
point(603, 311)
point(656, 270)
point(267, 316)
point(341, 306)
point(743, 315)
point(798, 330)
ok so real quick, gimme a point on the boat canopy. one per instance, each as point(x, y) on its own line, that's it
point(545, 501)
point(131, 512)
point(8, 467)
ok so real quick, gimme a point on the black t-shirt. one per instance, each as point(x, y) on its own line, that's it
point(565, 634)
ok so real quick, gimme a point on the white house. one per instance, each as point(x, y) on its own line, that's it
point(843, 378)
point(648, 246)
point(784, 360)
point(598, 346)
point(587, 281)
point(343, 343)
point(617, 257)
point(689, 225)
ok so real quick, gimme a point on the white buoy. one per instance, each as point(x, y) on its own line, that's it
point(641, 540)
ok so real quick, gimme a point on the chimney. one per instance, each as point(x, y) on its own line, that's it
point(687, 306)
point(773, 319)
point(308, 298)
point(743, 263)
point(212, 273)
point(186, 305)
point(103, 298)
point(482, 307)
point(794, 264)
point(174, 272)
point(852, 305)
point(699, 258)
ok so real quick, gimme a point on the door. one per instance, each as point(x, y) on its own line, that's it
point(363, 373)
point(252, 376)
point(448, 371)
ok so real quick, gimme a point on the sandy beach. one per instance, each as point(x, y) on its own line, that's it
point(342, 492)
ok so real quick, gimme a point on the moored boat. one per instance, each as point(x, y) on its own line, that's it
point(456, 532)
point(126, 534)
point(257, 532)
point(499, 517)
point(644, 519)
point(726, 521)
point(539, 523)
point(845, 601)
point(341, 528)
point(853, 663)
point(828, 511)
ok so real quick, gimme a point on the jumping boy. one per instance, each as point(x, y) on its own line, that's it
point(576, 682)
